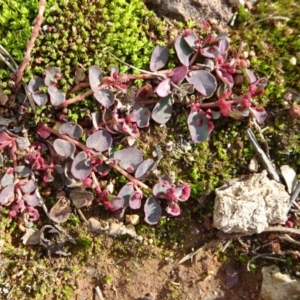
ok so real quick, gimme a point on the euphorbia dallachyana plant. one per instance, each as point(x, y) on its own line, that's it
point(204, 81)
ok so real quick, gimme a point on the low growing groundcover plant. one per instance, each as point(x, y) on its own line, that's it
point(210, 79)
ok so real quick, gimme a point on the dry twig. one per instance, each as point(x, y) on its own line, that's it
point(269, 18)
point(30, 43)
point(99, 293)
point(262, 156)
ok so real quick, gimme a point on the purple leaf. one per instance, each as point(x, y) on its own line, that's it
point(96, 119)
point(183, 50)
point(210, 52)
point(71, 129)
point(32, 200)
point(165, 180)
point(178, 74)
point(126, 191)
point(142, 172)
point(64, 148)
point(183, 192)
point(250, 75)
point(159, 58)
point(116, 202)
point(130, 129)
point(28, 187)
point(152, 211)
point(261, 83)
point(43, 133)
point(4, 137)
point(40, 99)
point(199, 126)
point(100, 141)
point(23, 171)
point(129, 159)
point(8, 177)
point(103, 169)
point(173, 209)
point(223, 46)
point(81, 166)
point(223, 88)
point(225, 77)
point(192, 40)
point(35, 84)
point(114, 72)
point(238, 114)
point(7, 195)
point(140, 115)
point(160, 189)
point(259, 113)
point(57, 97)
point(51, 75)
point(162, 111)
point(135, 200)
point(95, 77)
point(204, 82)
point(105, 97)
point(163, 89)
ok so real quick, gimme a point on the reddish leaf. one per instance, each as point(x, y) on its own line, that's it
point(163, 89)
point(105, 97)
point(95, 77)
point(7, 195)
point(204, 82)
point(81, 166)
point(159, 58)
point(57, 97)
point(183, 50)
point(100, 141)
point(162, 111)
point(152, 211)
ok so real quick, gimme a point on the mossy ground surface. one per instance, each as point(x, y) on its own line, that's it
point(122, 267)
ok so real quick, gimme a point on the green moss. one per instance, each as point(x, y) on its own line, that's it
point(276, 41)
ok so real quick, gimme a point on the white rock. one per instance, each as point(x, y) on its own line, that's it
point(250, 205)
point(278, 286)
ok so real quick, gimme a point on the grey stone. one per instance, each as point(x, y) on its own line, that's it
point(249, 205)
point(278, 286)
point(196, 10)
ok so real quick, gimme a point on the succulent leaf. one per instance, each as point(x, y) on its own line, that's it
point(100, 141)
point(71, 129)
point(129, 159)
point(199, 126)
point(183, 50)
point(95, 77)
point(152, 211)
point(162, 111)
point(204, 82)
point(159, 58)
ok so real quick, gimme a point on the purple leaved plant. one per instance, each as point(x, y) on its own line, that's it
point(88, 162)
point(204, 81)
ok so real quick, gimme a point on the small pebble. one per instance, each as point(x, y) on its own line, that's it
point(293, 61)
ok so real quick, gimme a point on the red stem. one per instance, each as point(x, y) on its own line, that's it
point(30, 43)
